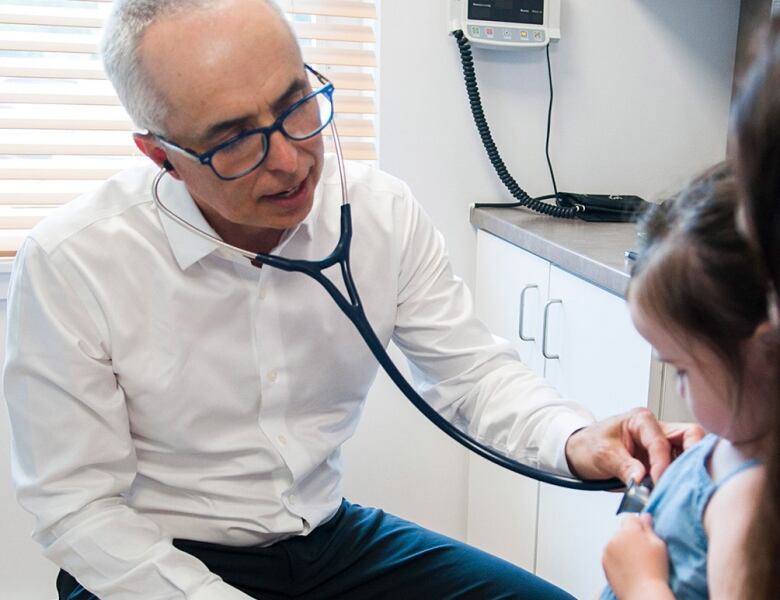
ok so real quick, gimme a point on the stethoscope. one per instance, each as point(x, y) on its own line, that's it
point(352, 308)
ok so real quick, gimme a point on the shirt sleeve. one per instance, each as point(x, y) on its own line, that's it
point(469, 376)
point(73, 457)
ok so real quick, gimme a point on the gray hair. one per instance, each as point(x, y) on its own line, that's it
point(122, 34)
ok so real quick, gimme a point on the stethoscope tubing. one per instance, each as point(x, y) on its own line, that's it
point(352, 308)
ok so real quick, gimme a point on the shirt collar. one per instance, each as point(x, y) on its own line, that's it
point(189, 248)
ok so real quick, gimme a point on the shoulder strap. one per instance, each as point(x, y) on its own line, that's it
point(748, 464)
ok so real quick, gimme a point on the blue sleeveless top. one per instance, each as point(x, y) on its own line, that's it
point(677, 504)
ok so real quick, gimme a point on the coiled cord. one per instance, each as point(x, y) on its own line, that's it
point(477, 111)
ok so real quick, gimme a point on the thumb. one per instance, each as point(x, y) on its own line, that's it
point(626, 467)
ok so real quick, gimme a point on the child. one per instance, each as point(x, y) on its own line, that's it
point(698, 296)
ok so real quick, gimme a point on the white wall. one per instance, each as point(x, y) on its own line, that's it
point(642, 90)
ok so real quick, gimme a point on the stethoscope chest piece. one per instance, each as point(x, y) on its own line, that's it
point(636, 496)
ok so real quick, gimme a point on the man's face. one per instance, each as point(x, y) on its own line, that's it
point(223, 71)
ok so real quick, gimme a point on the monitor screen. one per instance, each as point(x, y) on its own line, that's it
point(508, 11)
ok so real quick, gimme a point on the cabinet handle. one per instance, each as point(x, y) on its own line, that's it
point(544, 330)
point(522, 313)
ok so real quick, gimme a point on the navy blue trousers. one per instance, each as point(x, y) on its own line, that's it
point(361, 553)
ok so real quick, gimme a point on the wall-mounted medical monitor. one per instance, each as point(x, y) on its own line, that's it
point(530, 12)
point(507, 24)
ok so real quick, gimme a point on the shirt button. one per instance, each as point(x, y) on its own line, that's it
point(262, 294)
point(291, 499)
point(272, 375)
point(282, 440)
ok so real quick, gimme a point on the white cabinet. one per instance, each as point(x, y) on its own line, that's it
point(501, 504)
point(601, 362)
point(605, 365)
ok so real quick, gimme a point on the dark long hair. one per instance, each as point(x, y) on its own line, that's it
point(697, 276)
point(756, 124)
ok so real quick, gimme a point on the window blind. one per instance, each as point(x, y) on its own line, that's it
point(62, 129)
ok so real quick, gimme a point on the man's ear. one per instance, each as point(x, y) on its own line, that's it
point(147, 144)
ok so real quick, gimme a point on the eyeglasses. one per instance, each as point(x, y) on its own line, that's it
point(243, 153)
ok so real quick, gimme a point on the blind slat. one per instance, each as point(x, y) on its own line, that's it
point(329, 8)
point(92, 69)
point(336, 33)
point(104, 118)
point(93, 19)
point(36, 192)
point(89, 43)
point(102, 167)
point(51, 16)
point(21, 217)
point(345, 103)
point(339, 8)
point(67, 167)
point(46, 68)
point(73, 143)
point(24, 41)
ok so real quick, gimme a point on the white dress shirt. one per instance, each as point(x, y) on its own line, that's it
point(159, 387)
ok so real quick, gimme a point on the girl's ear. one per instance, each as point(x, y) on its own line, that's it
point(766, 341)
point(766, 330)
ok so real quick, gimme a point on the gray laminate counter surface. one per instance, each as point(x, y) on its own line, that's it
point(593, 251)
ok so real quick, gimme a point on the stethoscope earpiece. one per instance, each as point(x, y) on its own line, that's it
point(168, 166)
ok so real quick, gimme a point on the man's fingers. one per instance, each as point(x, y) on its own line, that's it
point(646, 430)
point(682, 435)
point(625, 466)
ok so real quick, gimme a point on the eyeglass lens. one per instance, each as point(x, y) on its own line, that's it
point(246, 153)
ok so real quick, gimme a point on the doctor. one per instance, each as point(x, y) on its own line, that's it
point(178, 415)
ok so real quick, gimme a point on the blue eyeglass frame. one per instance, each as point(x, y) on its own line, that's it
point(205, 158)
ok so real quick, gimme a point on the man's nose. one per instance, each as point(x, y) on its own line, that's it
point(282, 153)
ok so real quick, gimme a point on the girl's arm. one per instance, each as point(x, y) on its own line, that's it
point(636, 561)
point(727, 520)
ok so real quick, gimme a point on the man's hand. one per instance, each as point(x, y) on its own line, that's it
point(628, 445)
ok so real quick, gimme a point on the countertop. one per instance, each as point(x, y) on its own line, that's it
point(592, 251)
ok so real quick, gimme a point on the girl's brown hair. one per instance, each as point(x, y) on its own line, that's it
point(696, 275)
point(756, 124)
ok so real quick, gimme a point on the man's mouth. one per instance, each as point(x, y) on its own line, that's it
point(288, 193)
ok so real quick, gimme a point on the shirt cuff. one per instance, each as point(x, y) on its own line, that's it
point(552, 453)
point(219, 590)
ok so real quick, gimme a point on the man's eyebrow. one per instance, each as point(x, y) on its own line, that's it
point(296, 86)
point(278, 105)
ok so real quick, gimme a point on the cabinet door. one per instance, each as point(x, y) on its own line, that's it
point(502, 504)
point(511, 281)
point(605, 365)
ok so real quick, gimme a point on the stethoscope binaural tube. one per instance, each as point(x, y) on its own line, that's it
point(352, 308)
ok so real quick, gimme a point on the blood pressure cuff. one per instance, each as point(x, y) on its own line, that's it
point(604, 208)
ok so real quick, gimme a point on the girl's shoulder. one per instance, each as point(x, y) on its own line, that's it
point(737, 481)
point(735, 493)
point(727, 520)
